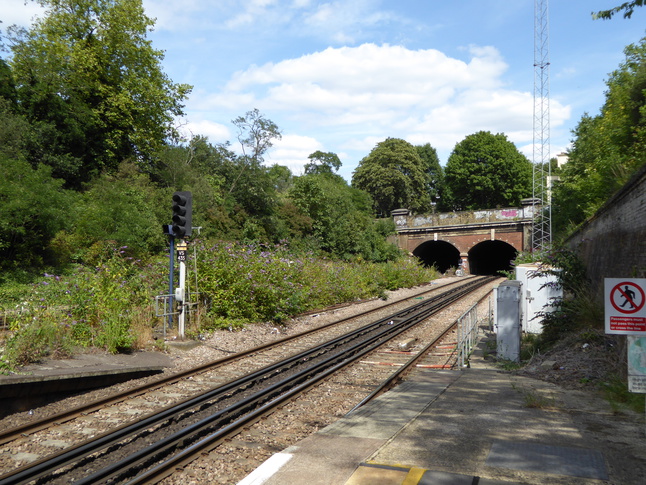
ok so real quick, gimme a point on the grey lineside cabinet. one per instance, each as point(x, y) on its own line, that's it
point(508, 318)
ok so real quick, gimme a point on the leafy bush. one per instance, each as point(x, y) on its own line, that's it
point(577, 308)
point(121, 209)
point(109, 305)
point(249, 282)
point(246, 283)
point(90, 307)
point(39, 336)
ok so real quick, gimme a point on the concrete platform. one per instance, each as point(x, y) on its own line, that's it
point(38, 384)
point(478, 425)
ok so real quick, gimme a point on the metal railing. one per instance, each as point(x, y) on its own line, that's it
point(167, 305)
point(467, 334)
point(468, 327)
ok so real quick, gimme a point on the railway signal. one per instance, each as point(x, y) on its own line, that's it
point(180, 228)
point(182, 214)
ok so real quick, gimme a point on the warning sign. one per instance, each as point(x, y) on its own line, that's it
point(624, 305)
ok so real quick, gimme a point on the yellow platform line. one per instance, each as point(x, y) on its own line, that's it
point(414, 476)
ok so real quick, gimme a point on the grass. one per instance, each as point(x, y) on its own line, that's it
point(617, 394)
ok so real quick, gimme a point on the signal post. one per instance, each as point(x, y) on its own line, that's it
point(180, 229)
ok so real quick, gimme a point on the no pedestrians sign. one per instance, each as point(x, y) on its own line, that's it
point(624, 305)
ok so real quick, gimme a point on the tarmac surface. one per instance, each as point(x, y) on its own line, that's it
point(479, 425)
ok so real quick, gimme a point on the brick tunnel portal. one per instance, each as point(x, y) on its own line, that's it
point(441, 254)
point(491, 257)
point(485, 258)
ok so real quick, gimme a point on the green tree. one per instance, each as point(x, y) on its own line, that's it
point(7, 83)
point(91, 83)
point(341, 223)
point(124, 209)
point(14, 131)
point(251, 187)
point(237, 192)
point(35, 208)
point(394, 175)
point(322, 162)
point(256, 134)
point(433, 169)
point(281, 176)
point(627, 7)
point(607, 148)
point(486, 171)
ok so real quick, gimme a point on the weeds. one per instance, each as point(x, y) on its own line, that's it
point(617, 394)
point(508, 365)
point(109, 306)
point(533, 399)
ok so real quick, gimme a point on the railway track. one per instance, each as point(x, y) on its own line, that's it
point(150, 448)
point(185, 384)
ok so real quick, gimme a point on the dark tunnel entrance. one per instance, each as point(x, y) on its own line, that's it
point(490, 257)
point(440, 254)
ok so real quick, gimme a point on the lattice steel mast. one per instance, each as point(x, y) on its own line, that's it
point(542, 218)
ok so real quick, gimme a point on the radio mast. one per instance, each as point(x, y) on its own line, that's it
point(542, 215)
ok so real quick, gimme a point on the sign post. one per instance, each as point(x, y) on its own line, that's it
point(180, 292)
point(625, 311)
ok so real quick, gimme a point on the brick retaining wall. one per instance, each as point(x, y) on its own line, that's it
point(612, 243)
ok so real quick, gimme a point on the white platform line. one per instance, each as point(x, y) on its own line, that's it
point(261, 474)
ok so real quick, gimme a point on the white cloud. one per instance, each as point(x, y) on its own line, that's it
point(345, 22)
point(351, 98)
point(367, 79)
point(292, 152)
point(215, 132)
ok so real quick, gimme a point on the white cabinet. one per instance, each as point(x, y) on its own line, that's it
point(539, 293)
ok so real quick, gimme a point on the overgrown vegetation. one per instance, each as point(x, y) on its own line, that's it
point(90, 157)
point(607, 149)
point(110, 305)
point(577, 308)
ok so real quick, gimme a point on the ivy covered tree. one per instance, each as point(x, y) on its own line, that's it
point(394, 175)
point(92, 86)
point(486, 171)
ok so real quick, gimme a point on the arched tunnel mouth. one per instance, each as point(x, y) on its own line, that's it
point(485, 258)
point(491, 258)
point(440, 254)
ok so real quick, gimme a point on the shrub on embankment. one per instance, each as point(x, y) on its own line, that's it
point(245, 283)
point(111, 305)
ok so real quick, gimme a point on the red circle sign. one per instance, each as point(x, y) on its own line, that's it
point(625, 299)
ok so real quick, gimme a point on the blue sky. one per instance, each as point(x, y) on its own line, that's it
point(341, 76)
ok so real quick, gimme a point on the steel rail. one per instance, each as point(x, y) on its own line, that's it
point(59, 418)
point(407, 367)
point(259, 404)
point(47, 465)
point(44, 466)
